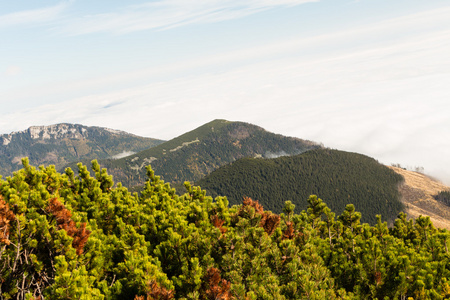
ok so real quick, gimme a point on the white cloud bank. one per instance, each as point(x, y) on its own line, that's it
point(386, 97)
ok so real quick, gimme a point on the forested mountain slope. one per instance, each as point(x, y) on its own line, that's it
point(197, 153)
point(340, 177)
point(61, 144)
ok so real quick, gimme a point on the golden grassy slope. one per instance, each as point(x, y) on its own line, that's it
point(417, 194)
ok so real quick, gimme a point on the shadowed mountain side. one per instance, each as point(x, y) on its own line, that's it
point(418, 191)
point(197, 153)
point(338, 177)
point(61, 144)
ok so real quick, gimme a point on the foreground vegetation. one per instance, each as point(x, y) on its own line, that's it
point(78, 237)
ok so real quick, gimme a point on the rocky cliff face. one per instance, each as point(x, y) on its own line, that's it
point(60, 144)
point(57, 132)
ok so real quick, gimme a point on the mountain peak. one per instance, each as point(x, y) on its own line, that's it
point(57, 131)
point(59, 144)
point(198, 152)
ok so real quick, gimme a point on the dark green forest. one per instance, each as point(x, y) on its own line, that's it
point(68, 236)
point(339, 177)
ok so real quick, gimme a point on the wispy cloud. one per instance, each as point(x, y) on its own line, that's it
point(33, 16)
point(166, 14)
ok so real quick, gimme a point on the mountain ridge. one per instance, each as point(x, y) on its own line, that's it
point(62, 143)
point(198, 152)
point(56, 131)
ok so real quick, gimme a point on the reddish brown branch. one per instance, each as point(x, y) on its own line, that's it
point(6, 217)
point(64, 221)
point(268, 220)
point(156, 292)
point(214, 287)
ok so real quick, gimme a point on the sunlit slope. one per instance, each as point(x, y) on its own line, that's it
point(418, 191)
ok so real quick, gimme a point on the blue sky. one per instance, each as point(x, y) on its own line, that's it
point(370, 76)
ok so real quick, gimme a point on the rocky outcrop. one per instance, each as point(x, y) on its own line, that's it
point(64, 143)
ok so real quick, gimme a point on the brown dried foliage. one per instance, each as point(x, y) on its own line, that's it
point(64, 221)
point(268, 221)
point(255, 204)
point(214, 287)
point(6, 217)
point(217, 222)
point(378, 278)
point(156, 292)
point(289, 232)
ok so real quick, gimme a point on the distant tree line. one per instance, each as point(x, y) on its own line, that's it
point(444, 197)
point(418, 169)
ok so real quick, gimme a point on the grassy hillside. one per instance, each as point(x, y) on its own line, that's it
point(340, 177)
point(61, 144)
point(423, 195)
point(197, 153)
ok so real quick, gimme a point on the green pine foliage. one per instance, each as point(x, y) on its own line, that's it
point(67, 236)
point(340, 177)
